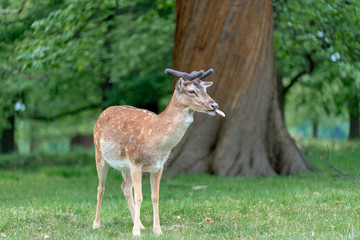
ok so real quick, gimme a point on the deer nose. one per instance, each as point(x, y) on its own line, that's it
point(213, 105)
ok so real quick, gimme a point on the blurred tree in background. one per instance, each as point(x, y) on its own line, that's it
point(66, 57)
point(15, 82)
point(317, 50)
point(108, 47)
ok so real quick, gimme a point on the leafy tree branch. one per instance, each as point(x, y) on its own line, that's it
point(64, 114)
point(308, 70)
point(14, 11)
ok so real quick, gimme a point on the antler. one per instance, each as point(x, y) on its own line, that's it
point(184, 75)
point(207, 73)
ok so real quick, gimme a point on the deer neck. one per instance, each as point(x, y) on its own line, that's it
point(174, 121)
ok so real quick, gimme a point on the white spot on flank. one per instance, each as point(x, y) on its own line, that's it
point(141, 132)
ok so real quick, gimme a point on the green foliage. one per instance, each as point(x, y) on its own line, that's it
point(89, 43)
point(60, 202)
point(56, 61)
point(63, 57)
point(15, 83)
point(320, 38)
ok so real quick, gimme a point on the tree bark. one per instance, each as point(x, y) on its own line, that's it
point(354, 128)
point(280, 91)
point(8, 137)
point(315, 128)
point(80, 140)
point(235, 38)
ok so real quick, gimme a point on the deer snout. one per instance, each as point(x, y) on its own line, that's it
point(213, 105)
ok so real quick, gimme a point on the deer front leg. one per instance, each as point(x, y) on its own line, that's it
point(155, 187)
point(136, 175)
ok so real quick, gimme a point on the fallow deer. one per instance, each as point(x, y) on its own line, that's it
point(133, 141)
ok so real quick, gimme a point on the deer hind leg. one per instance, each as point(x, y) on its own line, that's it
point(126, 188)
point(102, 168)
point(155, 187)
point(136, 176)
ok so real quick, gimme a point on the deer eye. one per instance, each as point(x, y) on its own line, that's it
point(192, 92)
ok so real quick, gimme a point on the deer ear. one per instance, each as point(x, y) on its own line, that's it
point(206, 84)
point(180, 85)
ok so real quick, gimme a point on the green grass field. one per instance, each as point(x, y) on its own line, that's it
point(40, 200)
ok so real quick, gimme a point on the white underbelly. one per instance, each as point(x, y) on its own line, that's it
point(109, 151)
point(124, 165)
point(119, 164)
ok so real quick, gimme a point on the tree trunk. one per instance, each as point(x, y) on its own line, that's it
point(280, 91)
point(235, 38)
point(8, 137)
point(81, 140)
point(354, 131)
point(315, 128)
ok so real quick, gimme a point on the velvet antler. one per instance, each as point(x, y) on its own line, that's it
point(207, 73)
point(186, 76)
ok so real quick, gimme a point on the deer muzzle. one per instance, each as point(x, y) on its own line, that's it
point(215, 107)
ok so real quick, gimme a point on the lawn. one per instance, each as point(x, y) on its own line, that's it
point(40, 200)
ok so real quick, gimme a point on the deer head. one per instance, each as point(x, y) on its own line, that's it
point(191, 91)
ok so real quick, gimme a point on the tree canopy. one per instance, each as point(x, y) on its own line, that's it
point(317, 47)
point(68, 58)
point(61, 57)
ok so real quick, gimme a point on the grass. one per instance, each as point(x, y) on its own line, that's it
point(59, 202)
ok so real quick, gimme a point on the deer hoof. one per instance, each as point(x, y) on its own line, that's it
point(136, 231)
point(157, 231)
point(96, 224)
